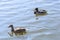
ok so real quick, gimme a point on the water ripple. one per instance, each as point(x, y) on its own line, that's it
point(20, 13)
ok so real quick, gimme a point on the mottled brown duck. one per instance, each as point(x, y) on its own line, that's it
point(17, 30)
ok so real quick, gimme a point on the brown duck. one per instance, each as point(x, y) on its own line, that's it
point(18, 30)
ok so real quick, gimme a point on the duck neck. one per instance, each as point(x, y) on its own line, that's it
point(12, 29)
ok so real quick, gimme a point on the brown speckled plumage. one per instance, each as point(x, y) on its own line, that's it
point(17, 30)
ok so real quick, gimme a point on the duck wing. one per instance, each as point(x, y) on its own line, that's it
point(19, 30)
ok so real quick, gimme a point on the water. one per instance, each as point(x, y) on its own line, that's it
point(20, 13)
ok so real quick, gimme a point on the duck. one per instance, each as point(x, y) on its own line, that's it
point(18, 30)
point(41, 12)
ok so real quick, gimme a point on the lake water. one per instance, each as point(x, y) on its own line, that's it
point(21, 13)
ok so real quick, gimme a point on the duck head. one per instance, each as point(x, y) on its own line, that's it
point(36, 9)
point(12, 28)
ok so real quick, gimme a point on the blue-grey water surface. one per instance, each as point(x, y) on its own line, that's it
point(20, 13)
